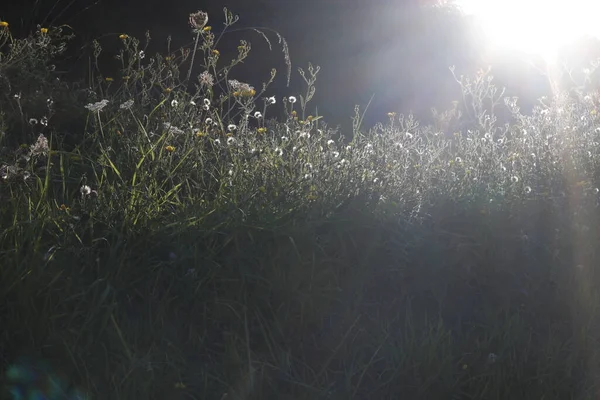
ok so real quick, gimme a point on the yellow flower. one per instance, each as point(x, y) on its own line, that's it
point(248, 93)
point(170, 149)
point(216, 52)
point(236, 93)
point(309, 118)
point(200, 134)
point(262, 189)
point(108, 79)
point(126, 78)
point(294, 113)
point(63, 208)
point(168, 58)
point(206, 29)
point(391, 114)
point(168, 90)
point(3, 24)
point(261, 130)
point(43, 30)
point(123, 36)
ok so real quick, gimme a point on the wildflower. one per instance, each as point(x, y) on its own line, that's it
point(63, 208)
point(206, 102)
point(3, 24)
point(335, 154)
point(239, 86)
point(514, 179)
point(231, 127)
point(292, 99)
point(278, 151)
point(108, 79)
point(330, 143)
point(85, 190)
point(458, 160)
point(230, 140)
point(98, 106)
point(208, 121)
point(142, 54)
point(40, 147)
point(261, 130)
point(217, 141)
point(527, 189)
point(409, 135)
point(284, 138)
point(170, 148)
point(206, 29)
point(198, 20)
point(172, 129)
point(174, 103)
point(216, 52)
point(44, 121)
point(127, 105)
point(257, 115)
point(192, 102)
point(123, 36)
point(271, 100)
point(33, 121)
point(43, 31)
point(304, 135)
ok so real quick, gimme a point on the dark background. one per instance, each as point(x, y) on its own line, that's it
point(393, 50)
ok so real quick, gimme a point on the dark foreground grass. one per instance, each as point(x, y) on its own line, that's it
point(174, 248)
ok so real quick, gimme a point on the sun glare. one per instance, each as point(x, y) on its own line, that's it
point(539, 27)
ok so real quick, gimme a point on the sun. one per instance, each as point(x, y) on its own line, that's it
point(538, 27)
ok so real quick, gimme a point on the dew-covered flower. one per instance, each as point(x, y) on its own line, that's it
point(40, 147)
point(127, 105)
point(206, 79)
point(98, 106)
point(198, 20)
point(172, 129)
point(85, 190)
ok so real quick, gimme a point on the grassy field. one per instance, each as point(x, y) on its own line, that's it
point(176, 235)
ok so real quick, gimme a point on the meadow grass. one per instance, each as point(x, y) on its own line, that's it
point(163, 236)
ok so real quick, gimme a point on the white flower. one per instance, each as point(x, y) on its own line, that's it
point(231, 127)
point(514, 179)
point(527, 189)
point(458, 160)
point(142, 54)
point(284, 138)
point(192, 102)
point(257, 115)
point(33, 121)
point(271, 100)
point(230, 140)
point(330, 143)
point(217, 141)
point(292, 99)
point(174, 103)
point(206, 102)
point(335, 154)
point(44, 121)
point(409, 135)
point(348, 148)
point(208, 121)
point(98, 106)
point(308, 165)
point(85, 190)
point(304, 135)
point(127, 105)
point(278, 151)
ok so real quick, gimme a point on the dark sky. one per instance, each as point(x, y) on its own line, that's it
point(387, 48)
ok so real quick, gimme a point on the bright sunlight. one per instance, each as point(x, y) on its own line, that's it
point(538, 27)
